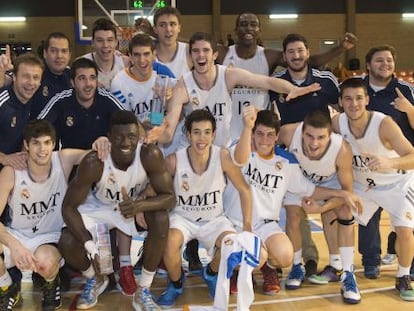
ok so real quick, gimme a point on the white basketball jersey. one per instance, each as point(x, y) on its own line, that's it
point(199, 197)
point(369, 143)
point(317, 171)
point(217, 100)
point(244, 96)
point(36, 208)
point(106, 194)
point(269, 180)
point(105, 77)
point(178, 65)
point(134, 95)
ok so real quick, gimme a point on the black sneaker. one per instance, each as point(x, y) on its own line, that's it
point(10, 297)
point(65, 276)
point(51, 295)
point(38, 281)
point(191, 255)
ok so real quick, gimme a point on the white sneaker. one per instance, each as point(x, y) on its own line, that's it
point(91, 291)
point(349, 288)
point(389, 259)
point(143, 300)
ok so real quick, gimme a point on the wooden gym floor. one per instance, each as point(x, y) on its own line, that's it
point(377, 294)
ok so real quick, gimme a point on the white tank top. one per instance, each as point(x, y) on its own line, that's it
point(36, 208)
point(269, 180)
point(242, 95)
point(199, 197)
point(134, 95)
point(105, 77)
point(106, 194)
point(369, 143)
point(317, 171)
point(179, 64)
point(217, 100)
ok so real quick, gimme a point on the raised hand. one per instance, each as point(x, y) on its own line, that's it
point(349, 41)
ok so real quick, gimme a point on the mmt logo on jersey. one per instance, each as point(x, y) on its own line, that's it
point(114, 195)
point(39, 208)
point(217, 111)
point(263, 181)
point(208, 198)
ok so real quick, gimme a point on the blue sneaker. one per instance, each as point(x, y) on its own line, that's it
point(296, 277)
point(371, 272)
point(168, 297)
point(211, 282)
point(349, 289)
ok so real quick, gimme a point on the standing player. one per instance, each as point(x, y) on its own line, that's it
point(326, 160)
point(108, 193)
point(199, 179)
point(34, 196)
point(383, 160)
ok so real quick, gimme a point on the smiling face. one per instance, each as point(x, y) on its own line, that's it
point(382, 66)
point(142, 58)
point(104, 43)
point(354, 101)
point(40, 150)
point(264, 140)
point(202, 56)
point(247, 29)
point(315, 141)
point(57, 55)
point(124, 140)
point(26, 81)
point(85, 84)
point(201, 136)
point(296, 56)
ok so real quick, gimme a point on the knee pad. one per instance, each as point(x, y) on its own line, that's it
point(344, 222)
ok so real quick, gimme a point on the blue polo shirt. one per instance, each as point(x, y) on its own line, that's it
point(14, 115)
point(296, 109)
point(382, 101)
point(76, 126)
point(51, 84)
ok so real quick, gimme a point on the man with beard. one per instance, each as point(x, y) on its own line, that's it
point(395, 98)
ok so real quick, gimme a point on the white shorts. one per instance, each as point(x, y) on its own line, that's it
point(397, 199)
point(113, 219)
point(206, 232)
point(295, 199)
point(30, 243)
point(264, 229)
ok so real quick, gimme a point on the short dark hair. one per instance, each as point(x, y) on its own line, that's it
point(140, 39)
point(37, 128)
point(198, 116)
point(294, 37)
point(54, 35)
point(352, 83)
point(28, 59)
point(122, 117)
point(82, 63)
point(267, 118)
point(380, 48)
point(318, 119)
point(103, 24)
point(203, 36)
point(168, 10)
point(245, 13)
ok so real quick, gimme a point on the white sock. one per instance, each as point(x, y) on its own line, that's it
point(124, 260)
point(297, 257)
point(5, 280)
point(403, 271)
point(89, 273)
point(347, 256)
point(146, 278)
point(335, 261)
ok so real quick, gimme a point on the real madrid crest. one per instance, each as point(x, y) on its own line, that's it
point(45, 91)
point(25, 194)
point(111, 179)
point(69, 121)
point(184, 185)
point(278, 165)
point(13, 122)
point(281, 98)
point(195, 101)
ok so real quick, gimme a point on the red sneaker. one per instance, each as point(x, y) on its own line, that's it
point(271, 283)
point(126, 282)
point(233, 282)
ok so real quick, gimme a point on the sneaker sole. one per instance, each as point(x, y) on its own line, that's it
point(119, 287)
point(293, 287)
point(349, 300)
point(315, 279)
point(99, 291)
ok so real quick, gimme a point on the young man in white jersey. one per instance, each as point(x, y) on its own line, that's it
point(199, 180)
point(326, 160)
point(109, 193)
point(383, 160)
point(208, 86)
point(34, 196)
point(272, 173)
point(105, 56)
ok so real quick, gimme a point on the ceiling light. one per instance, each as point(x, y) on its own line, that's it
point(283, 16)
point(7, 19)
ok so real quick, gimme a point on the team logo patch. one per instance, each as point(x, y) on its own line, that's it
point(184, 185)
point(195, 101)
point(69, 121)
point(111, 179)
point(408, 216)
point(281, 98)
point(25, 194)
point(278, 165)
point(13, 122)
point(228, 241)
point(45, 91)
